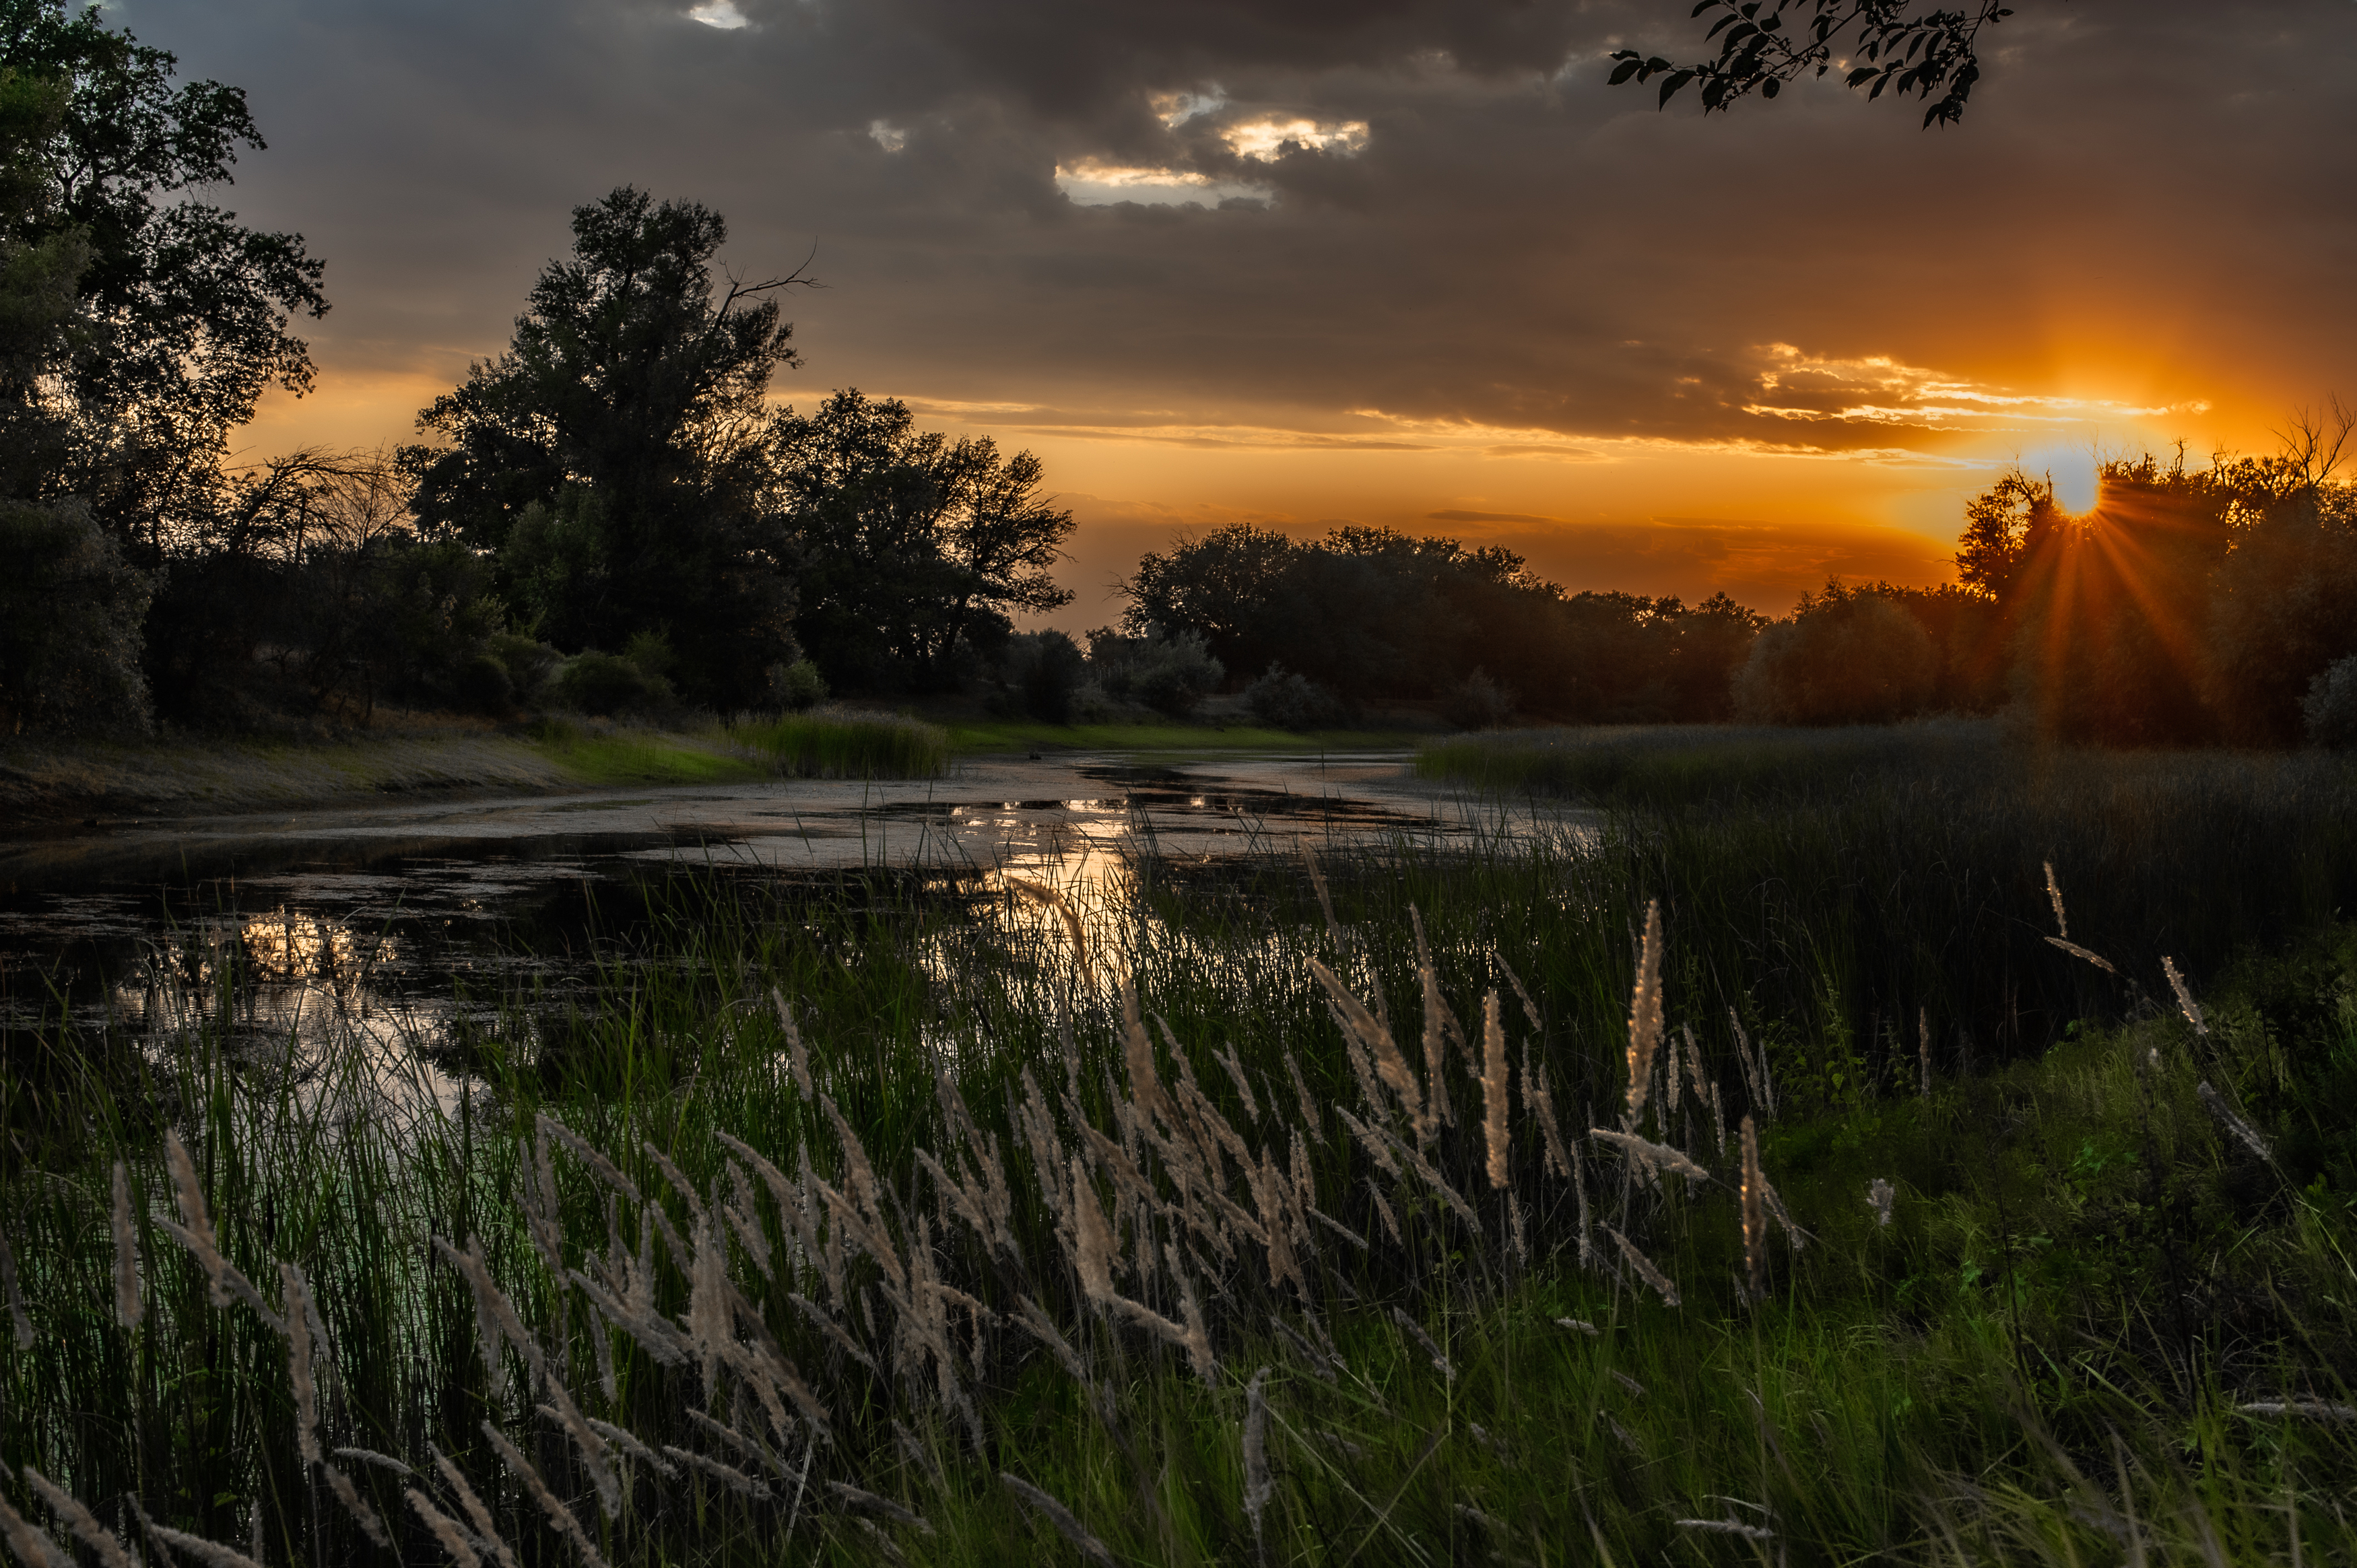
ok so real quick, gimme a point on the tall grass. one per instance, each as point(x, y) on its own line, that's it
point(1018, 1227)
point(847, 743)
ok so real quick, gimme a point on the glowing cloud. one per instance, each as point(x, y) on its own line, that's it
point(1271, 138)
point(1090, 182)
point(1879, 389)
point(721, 14)
point(886, 135)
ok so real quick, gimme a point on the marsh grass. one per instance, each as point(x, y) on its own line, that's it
point(1001, 1278)
point(847, 743)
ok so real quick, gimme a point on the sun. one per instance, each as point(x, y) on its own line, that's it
point(2075, 471)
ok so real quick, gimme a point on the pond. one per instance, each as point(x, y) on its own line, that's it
point(384, 923)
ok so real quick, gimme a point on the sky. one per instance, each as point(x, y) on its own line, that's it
point(1403, 262)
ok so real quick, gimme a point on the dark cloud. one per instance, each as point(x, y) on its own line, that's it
point(1507, 243)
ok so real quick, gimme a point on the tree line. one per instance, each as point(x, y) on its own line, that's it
point(611, 513)
point(614, 513)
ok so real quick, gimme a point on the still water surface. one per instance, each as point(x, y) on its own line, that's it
point(382, 924)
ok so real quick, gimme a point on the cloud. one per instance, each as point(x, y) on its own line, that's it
point(1456, 515)
point(1423, 225)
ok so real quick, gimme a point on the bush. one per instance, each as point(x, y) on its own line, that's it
point(2331, 706)
point(530, 665)
point(1170, 673)
point(1046, 670)
point(71, 611)
point(594, 683)
point(1845, 658)
point(1283, 699)
point(794, 688)
point(482, 684)
point(1476, 703)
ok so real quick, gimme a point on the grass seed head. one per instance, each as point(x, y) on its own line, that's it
point(129, 1307)
point(2185, 1002)
point(78, 1519)
point(1644, 1267)
point(1494, 1088)
point(1057, 1514)
point(298, 1362)
point(445, 1529)
point(1645, 1013)
point(1755, 1211)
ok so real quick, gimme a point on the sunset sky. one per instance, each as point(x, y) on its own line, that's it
point(1405, 261)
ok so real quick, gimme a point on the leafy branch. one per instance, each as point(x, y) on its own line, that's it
point(1763, 43)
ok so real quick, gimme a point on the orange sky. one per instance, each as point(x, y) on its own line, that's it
point(1410, 264)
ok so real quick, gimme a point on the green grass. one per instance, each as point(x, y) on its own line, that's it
point(2043, 1358)
point(830, 743)
point(1012, 735)
point(1660, 765)
point(848, 743)
point(640, 757)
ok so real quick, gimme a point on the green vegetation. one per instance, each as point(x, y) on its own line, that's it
point(1017, 735)
point(845, 743)
point(610, 756)
point(2108, 1318)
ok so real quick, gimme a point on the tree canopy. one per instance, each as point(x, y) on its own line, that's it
point(611, 458)
point(912, 546)
point(180, 316)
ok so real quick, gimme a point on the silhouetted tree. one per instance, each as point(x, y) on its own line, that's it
point(913, 547)
point(1847, 656)
point(180, 316)
point(612, 457)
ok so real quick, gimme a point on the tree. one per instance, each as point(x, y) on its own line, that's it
point(912, 546)
point(180, 316)
point(1847, 656)
point(1763, 43)
point(612, 459)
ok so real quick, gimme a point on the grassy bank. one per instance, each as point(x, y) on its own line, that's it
point(61, 780)
point(1138, 1266)
point(847, 743)
point(1682, 765)
point(1015, 735)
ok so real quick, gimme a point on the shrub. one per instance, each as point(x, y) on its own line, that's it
point(1845, 658)
point(1170, 673)
point(2331, 706)
point(1476, 703)
point(1045, 669)
point(1283, 699)
point(795, 688)
point(71, 611)
point(482, 684)
point(594, 683)
point(529, 664)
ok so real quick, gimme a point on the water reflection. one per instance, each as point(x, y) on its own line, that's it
point(373, 940)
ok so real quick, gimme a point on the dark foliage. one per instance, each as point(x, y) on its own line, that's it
point(916, 550)
point(1370, 614)
point(2189, 606)
point(1889, 45)
point(611, 459)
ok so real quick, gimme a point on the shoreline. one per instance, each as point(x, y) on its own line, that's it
point(55, 784)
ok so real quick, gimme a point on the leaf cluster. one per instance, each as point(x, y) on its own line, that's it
point(1763, 43)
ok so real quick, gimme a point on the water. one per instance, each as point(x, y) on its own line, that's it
point(388, 924)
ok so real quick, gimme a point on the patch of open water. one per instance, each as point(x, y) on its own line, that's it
point(395, 919)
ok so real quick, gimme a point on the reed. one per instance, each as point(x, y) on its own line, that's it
point(847, 743)
point(843, 1278)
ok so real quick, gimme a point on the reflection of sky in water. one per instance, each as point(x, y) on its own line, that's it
point(362, 948)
